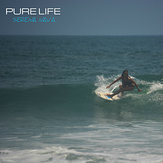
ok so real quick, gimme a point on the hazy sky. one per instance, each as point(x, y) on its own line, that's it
point(89, 17)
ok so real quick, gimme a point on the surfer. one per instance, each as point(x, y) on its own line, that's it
point(128, 84)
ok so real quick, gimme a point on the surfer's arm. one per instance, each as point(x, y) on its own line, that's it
point(135, 84)
point(114, 82)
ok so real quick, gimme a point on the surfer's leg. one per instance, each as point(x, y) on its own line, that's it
point(117, 92)
point(120, 86)
point(122, 89)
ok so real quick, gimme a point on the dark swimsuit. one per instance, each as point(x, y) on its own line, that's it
point(126, 83)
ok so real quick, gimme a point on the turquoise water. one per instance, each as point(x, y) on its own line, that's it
point(49, 111)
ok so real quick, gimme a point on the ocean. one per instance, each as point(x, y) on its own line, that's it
point(49, 111)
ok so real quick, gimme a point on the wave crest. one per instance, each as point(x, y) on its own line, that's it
point(147, 87)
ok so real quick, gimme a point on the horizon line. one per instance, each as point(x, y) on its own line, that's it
point(79, 35)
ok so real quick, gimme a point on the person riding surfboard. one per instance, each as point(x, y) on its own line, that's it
point(128, 84)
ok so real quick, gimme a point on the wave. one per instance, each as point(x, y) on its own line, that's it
point(80, 99)
point(147, 86)
point(45, 154)
point(77, 93)
point(63, 96)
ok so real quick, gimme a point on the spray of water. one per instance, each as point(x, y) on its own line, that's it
point(146, 86)
point(103, 82)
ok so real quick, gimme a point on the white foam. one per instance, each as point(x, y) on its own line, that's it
point(47, 154)
point(155, 87)
point(149, 87)
point(103, 82)
point(105, 144)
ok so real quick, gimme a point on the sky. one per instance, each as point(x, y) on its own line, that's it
point(88, 17)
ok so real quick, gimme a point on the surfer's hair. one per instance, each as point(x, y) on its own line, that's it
point(124, 72)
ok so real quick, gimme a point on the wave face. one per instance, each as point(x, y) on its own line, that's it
point(77, 98)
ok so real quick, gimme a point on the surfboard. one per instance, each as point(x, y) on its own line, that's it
point(104, 96)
